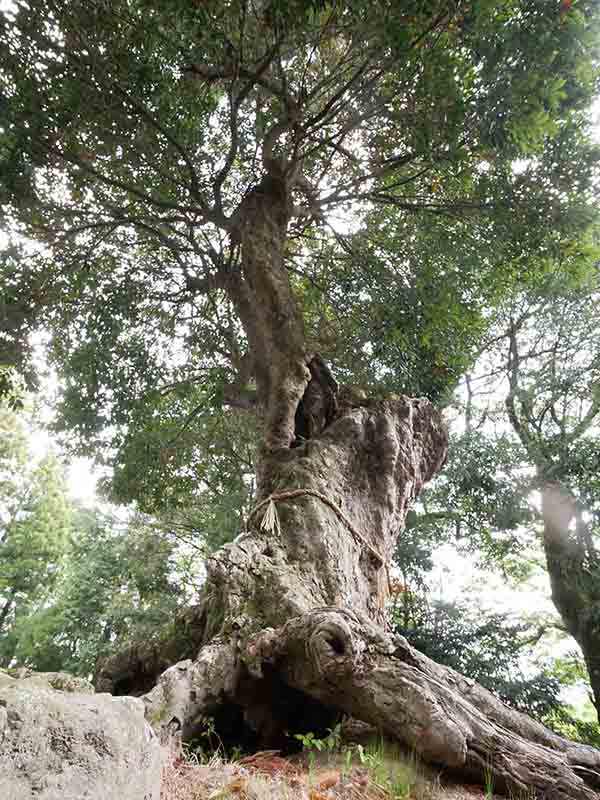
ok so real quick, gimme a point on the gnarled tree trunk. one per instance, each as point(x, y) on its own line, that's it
point(293, 630)
point(263, 298)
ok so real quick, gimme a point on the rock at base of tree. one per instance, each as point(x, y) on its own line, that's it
point(69, 744)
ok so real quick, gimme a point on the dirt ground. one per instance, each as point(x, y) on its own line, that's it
point(319, 776)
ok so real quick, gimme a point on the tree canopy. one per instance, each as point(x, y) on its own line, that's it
point(430, 154)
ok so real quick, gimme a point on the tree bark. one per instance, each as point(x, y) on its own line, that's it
point(345, 662)
point(293, 629)
point(264, 301)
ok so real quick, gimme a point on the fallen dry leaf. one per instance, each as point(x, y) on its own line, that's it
point(268, 762)
point(237, 785)
point(328, 779)
point(258, 754)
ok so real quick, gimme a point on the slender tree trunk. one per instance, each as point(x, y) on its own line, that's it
point(7, 607)
point(264, 301)
point(590, 645)
point(574, 573)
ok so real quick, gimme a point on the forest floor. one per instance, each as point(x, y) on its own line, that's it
point(370, 774)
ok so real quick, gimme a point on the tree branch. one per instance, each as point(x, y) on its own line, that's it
point(235, 104)
point(182, 152)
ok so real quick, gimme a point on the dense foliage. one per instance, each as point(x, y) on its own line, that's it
point(76, 583)
point(131, 132)
point(35, 523)
point(117, 582)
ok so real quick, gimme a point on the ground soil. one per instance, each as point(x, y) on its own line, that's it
point(269, 776)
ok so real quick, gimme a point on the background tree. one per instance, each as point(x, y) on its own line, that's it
point(553, 405)
point(35, 520)
point(539, 386)
point(512, 653)
point(197, 477)
point(118, 581)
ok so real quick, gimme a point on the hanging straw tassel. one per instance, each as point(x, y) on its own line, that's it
point(270, 521)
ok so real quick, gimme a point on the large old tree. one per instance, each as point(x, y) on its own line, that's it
point(217, 205)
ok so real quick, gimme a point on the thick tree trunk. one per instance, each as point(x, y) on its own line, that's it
point(574, 570)
point(293, 626)
point(327, 516)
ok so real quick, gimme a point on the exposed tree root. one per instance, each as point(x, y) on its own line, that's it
point(344, 662)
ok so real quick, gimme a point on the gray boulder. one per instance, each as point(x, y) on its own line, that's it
point(59, 741)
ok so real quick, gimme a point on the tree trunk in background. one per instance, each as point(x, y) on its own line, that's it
point(7, 607)
point(574, 570)
point(292, 629)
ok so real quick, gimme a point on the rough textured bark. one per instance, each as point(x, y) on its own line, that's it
point(293, 631)
point(331, 543)
point(264, 301)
